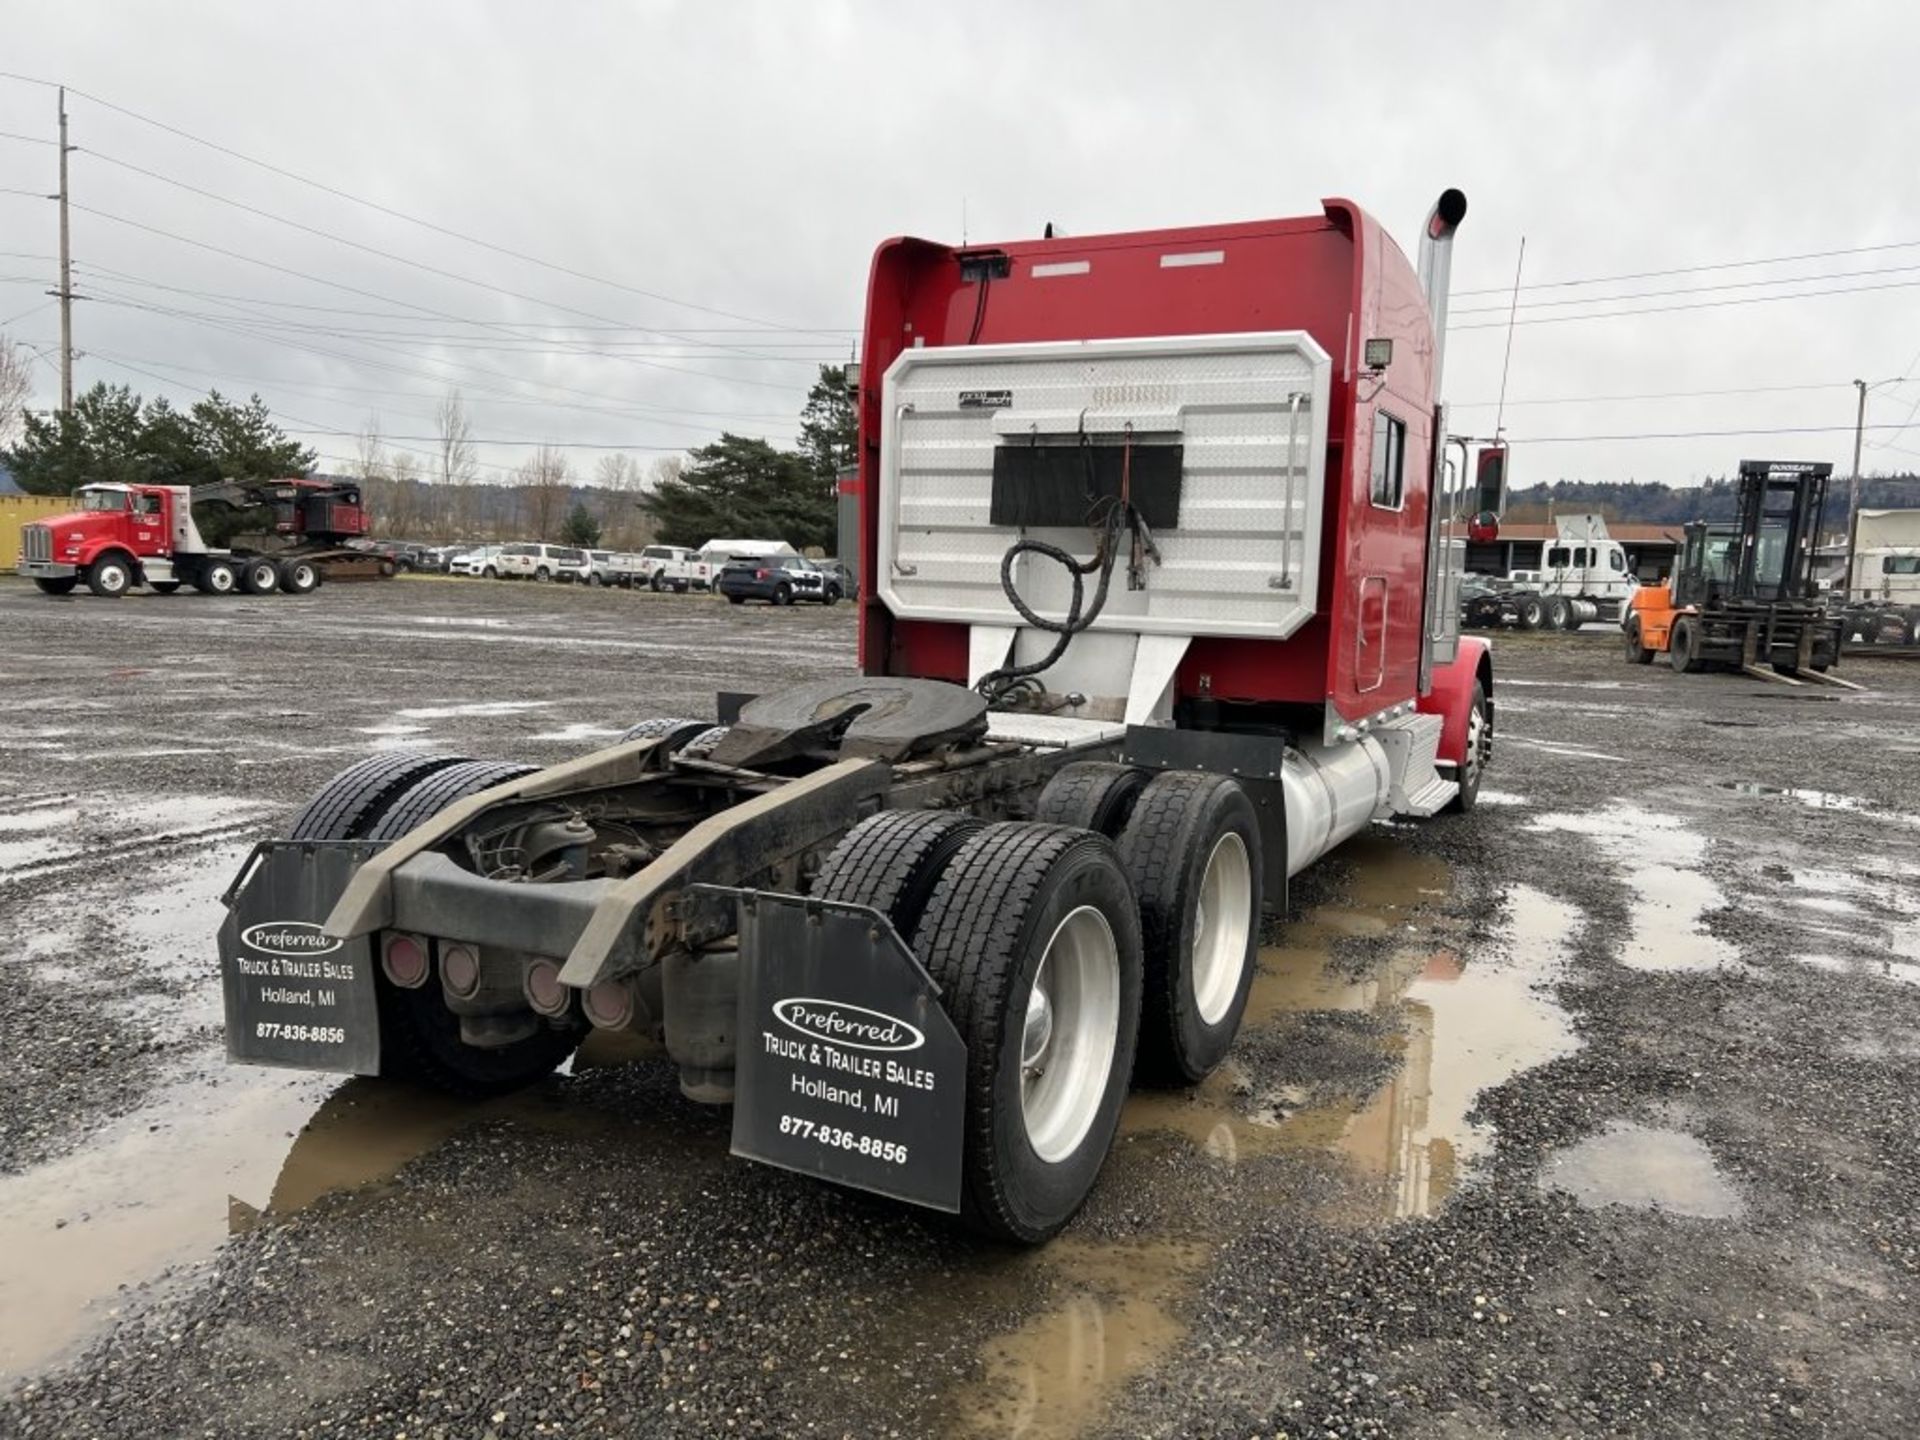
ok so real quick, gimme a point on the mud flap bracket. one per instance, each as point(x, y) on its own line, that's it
point(848, 1068)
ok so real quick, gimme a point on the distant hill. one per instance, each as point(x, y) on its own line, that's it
point(1652, 503)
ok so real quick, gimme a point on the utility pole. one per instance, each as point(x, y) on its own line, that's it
point(66, 271)
point(1853, 485)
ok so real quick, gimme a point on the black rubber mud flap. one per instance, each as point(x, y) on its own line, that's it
point(848, 1068)
point(295, 996)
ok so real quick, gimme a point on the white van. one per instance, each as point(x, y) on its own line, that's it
point(542, 562)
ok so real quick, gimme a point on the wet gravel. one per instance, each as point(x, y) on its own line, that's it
point(601, 1267)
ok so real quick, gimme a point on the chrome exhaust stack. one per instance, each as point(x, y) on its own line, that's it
point(1436, 267)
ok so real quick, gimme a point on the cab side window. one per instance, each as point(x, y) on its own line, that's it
point(1388, 485)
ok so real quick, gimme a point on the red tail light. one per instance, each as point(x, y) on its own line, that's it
point(763, 574)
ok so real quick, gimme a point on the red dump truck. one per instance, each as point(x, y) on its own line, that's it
point(120, 537)
point(1160, 612)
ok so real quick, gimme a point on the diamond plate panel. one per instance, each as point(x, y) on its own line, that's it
point(1249, 410)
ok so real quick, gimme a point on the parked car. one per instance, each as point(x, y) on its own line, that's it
point(483, 560)
point(542, 562)
point(613, 567)
point(841, 574)
point(675, 568)
point(778, 580)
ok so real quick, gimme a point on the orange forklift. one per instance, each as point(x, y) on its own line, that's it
point(1742, 596)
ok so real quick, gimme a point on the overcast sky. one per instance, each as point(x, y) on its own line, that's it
point(740, 161)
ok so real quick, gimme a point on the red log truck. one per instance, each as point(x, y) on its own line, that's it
point(122, 536)
point(1160, 612)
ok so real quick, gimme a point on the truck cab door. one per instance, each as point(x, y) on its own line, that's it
point(149, 523)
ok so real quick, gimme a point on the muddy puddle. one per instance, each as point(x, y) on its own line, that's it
point(1456, 1020)
point(1823, 800)
point(152, 1196)
point(1670, 896)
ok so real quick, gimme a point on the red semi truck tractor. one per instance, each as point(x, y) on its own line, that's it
point(122, 536)
point(1160, 612)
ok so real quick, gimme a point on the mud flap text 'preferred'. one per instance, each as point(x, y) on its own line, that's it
point(848, 1068)
point(294, 995)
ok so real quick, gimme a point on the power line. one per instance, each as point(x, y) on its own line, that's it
point(1703, 305)
point(1698, 434)
point(459, 374)
point(402, 215)
point(375, 250)
point(31, 310)
point(1650, 395)
point(132, 279)
point(388, 299)
point(487, 397)
point(1687, 269)
point(1693, 290)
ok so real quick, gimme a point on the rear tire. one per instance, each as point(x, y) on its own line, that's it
point(419, 1036)
point(1637, 652)
point(736, 599)
point(216, 577)
point(783, 595)
point(259, 577)
point(351, 803)
point(1559, 614)
point(1048, 1055)
point(1192, 851)
point(1533, 613)
point(431, 794)
point(1093, 795)
point(299, 577)
point(110, 578)
point(893, 860)
point(57, 584)
point(1683, 646)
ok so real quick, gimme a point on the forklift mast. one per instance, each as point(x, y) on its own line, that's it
point(1780, 507)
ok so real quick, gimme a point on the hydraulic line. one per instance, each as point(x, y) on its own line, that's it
point(1107, 516)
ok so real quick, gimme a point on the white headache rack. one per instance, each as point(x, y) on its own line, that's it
point(1240, 421)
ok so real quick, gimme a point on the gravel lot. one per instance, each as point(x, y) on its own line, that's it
point(1590, 1113)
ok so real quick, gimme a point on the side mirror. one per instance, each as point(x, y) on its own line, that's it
point(1490, 481)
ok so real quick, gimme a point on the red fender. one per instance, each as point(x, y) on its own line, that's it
point(1452, 694)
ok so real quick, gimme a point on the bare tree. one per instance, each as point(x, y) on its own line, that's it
point(454, 465)
point(618, 480)
point(667, 467)
point(544, 483)
point(370, 453)
point(16, 384)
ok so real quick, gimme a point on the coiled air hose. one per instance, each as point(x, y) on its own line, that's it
point(1009, 682)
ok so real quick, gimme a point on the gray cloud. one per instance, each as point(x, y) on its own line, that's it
point(749, 157)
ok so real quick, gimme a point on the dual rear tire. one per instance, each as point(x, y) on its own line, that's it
point(1069, 963)
point(381, 798)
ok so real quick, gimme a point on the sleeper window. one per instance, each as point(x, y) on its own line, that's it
point(1389, 460)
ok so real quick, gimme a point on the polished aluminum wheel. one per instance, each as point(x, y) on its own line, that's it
point(1069, 1034)
point(1479, 746)
point(1222, 925)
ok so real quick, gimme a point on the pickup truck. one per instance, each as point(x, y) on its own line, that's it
point(615, 567)
point(675, 568)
